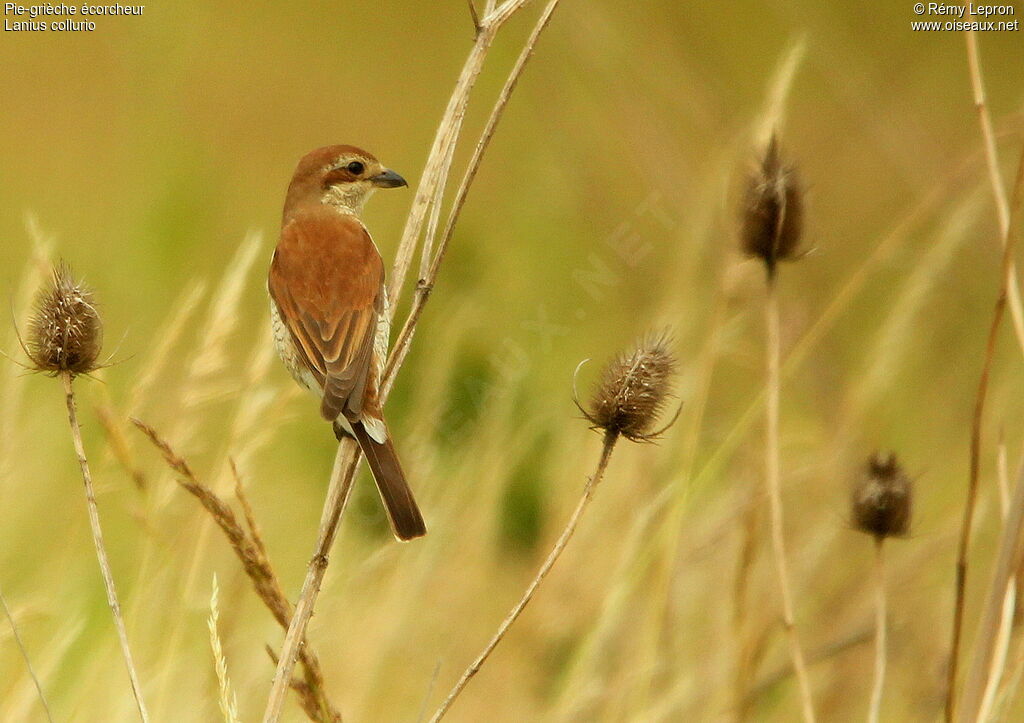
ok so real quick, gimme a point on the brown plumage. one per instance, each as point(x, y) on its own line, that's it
point(328, 305)
point(331, 307)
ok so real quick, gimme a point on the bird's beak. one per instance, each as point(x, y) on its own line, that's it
point(388, 179)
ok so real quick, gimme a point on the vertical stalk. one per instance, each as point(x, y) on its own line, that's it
point(24, 654)
point(1003, 300)
point(880, 633)
point(570, 527)
point(97, 538)
point(773, 343)
point(339, 490)
point(745, 646)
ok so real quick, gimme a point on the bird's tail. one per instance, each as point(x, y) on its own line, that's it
point(406, 520)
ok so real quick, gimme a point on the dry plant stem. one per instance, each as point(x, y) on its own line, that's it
point(829, 317)
point(250, 515)
point(251, 552)
point(773, 343)
point(998, 667)
point(963, 546)
point(1007, 562)
point(825, 652)
point(1008, 689)
point(1003, 476)
point(998, 189)
point(226, 696)
point(434, 175)
point(97, 538)
point(744, 663)
point(1002, 650)
point(24, 655)
point(431, 266)
point(342, 476)
point(474, 15)
point(880, 633)
point(570, 527)
point(438, 162)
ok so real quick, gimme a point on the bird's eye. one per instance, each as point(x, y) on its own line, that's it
point(355, 168)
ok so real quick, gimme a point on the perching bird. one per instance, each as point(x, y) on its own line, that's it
point(328, 307)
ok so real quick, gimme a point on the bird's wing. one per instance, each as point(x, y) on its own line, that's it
point(326, 279)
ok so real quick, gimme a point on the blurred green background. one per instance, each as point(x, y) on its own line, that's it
point(145, 151)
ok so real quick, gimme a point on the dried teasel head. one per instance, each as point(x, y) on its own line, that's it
point(772, 219)
point(882, 499)
point(633, 390)
point(65, 332)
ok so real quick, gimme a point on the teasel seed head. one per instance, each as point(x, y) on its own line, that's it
point(772, 219)
point(65, 332)
point(633, 390)
point(882, 499)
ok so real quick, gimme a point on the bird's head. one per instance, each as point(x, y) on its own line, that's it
point(341, 176)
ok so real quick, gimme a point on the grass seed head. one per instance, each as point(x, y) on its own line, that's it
point(882, 499)
point(65, 332)
point(772, 218)
point(633, 389)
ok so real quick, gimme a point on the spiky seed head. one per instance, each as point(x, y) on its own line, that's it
point(65, 332)
point(772, 218)
point(633, 389)
point(882, 499)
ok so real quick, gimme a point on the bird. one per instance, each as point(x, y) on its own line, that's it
point(329, 310)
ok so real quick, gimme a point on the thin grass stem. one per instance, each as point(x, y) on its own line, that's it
point(881, 634)
point(24, 654)
point(1007, 562)
point(998, 667)
point(963, 544)
point(745, 644)
point(1002, 649)
point(342, 476)
point(252, 553)
point(431, 262)
point(556, 551)
point(97, 538)
point(226, 698)
point(1003, 211)
point(772, 467)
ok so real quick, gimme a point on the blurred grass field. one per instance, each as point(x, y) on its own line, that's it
point(153, 154)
